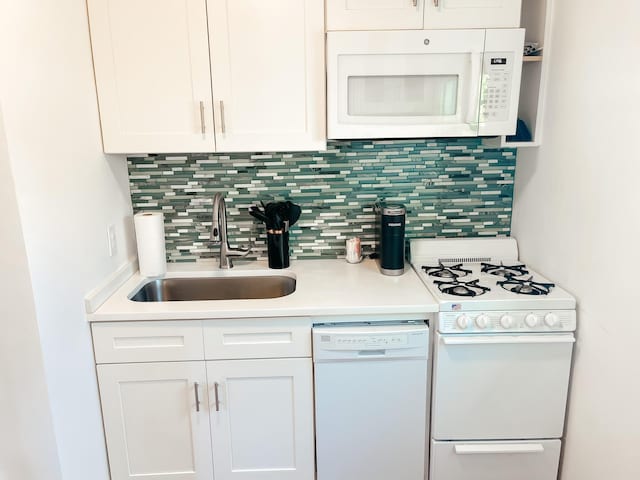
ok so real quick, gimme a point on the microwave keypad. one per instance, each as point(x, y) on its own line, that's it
point(496, 89)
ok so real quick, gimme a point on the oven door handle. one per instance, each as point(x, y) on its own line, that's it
point(510, 340)
point(500, 448)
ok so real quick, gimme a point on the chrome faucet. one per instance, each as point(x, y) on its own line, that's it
point(219, 233)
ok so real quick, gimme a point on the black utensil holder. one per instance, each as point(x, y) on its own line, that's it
point(278, 249)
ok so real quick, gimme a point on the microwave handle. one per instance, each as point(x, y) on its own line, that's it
point(474, 89)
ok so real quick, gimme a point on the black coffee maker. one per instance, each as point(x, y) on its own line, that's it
point(390, 235)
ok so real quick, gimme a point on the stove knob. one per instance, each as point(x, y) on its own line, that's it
point(462, 321)
point(551, 319)
point(482, 320)
point(531, 320)
point(506, 321)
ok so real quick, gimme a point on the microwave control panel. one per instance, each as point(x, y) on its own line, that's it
point(496, 86)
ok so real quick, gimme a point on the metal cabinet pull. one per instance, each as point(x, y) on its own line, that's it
point(222, 122)
point(415, 3)
point(215, 393)
point(436, 3)
point(202, 125)
point(195, 389)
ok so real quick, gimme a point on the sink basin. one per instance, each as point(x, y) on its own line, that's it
point(215, 288)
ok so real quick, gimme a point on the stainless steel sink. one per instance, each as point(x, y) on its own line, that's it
point(215, 288)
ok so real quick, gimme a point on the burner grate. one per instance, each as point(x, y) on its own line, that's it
point(453, 271)
point(526, 286)
point(503, 270)
point(462, 289)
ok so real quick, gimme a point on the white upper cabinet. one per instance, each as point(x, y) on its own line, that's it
point(151, 61)
point(374, 14)
point(267, 61)
point(154, 61)
point(419, 14)
point(472, 13)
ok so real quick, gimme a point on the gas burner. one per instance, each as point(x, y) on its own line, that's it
point(526, 286)
point(503, 270)
point(454, 271)
point(461, 289)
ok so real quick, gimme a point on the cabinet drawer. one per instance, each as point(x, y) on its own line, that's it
point(257, 338)
point(147, 341)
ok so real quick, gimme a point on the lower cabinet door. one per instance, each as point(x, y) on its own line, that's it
point(156, 420)
point(262, 419)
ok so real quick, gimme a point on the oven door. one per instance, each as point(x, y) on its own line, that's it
point(399, 84)
point(500, 386)
point(522, 460)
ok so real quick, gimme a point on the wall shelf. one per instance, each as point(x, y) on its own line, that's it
point(536, 19)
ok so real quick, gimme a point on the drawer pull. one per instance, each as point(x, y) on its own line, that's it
point(496, 449)
point(148, 342)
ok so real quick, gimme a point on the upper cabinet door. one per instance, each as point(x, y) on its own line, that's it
point(472, 13)
point(374, 14)
point(267, 61)
point(151, 61)
point(154, 426)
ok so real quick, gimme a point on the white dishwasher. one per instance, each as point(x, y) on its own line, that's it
point(371, 400)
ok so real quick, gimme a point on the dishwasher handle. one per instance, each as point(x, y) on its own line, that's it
point(372, 353)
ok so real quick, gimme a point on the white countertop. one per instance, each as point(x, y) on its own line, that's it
point(323, 288)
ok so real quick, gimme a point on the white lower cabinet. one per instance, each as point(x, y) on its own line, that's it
point(152, 424)
point(228, 419)
point(262, 419)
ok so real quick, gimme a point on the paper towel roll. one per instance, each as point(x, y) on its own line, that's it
point(150, 240)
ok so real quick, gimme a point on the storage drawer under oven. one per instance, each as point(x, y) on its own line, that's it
point(521, 460)
point(500, 386)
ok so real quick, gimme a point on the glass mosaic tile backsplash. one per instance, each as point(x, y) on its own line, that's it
point(451, 188)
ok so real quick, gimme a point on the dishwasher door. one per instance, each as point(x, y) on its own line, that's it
point(371, 401)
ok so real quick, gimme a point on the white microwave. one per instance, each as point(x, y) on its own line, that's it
point(423, 83)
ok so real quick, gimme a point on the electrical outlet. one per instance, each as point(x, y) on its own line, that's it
point(111, 236)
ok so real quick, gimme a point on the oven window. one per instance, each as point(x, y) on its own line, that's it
point(403, 95)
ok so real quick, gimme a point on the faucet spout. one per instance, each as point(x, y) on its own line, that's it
point(219, 233)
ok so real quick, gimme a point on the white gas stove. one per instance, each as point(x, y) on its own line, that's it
point(501, 361)
point(484, 276)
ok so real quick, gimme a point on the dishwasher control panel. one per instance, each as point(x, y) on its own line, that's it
point(364, 341)
point(333, 342)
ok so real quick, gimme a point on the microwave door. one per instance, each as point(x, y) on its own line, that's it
point(409, 95)
point(404, 89)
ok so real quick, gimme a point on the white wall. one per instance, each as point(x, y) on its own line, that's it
point(27, 443)
point(68, 192)
point(577, 219)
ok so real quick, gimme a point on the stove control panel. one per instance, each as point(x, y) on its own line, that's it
point(514, 321)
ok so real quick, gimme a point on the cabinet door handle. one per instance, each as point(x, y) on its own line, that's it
point(436, 3)
point(215, 393)
point(415, 3)
point(195, 389)
point(223, 125)
point(202, 125)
